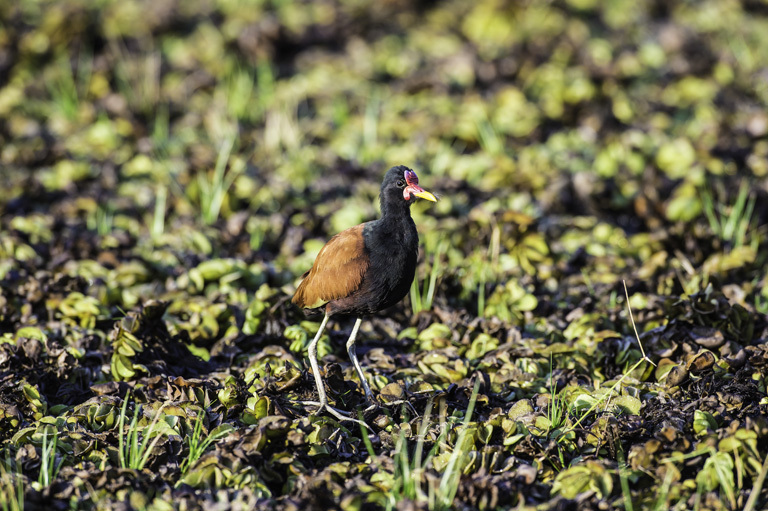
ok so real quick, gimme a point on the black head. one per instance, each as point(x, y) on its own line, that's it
point(401, 187)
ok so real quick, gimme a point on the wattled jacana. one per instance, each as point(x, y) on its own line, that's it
point(365, 269)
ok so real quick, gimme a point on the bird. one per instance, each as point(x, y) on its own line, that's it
point(364, 269)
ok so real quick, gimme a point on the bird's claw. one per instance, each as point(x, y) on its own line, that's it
point(341, 415)
point(392, 404)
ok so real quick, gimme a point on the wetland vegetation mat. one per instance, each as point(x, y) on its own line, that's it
point(169, 169)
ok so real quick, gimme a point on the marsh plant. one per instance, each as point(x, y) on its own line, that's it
point(414, 478)
point(11, 485)
point(136, 444)
point(732, 224)
point(169, 173)
point(422, 296)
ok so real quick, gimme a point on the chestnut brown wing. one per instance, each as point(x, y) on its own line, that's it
point(337, 272)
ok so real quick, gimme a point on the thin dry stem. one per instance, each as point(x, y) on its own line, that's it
point(634, 327)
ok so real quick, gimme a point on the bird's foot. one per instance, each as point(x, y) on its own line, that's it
point(372, 402)
point(393, 404)
point(341, 415)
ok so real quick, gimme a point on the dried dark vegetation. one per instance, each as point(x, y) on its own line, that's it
point(168, 173)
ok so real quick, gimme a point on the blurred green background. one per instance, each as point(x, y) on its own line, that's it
point(201, 152)
point(630, 132)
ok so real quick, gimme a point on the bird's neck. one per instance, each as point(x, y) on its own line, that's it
point(396, 210)
point(395, 224)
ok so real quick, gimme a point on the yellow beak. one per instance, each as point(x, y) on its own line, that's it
point(423, 194)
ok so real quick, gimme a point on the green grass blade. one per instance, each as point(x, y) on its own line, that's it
point(709, 211)
point(422, 433)
point(415, 297)
point(449, 483)
point(757, 487)
point(158, 218)
point(735, 215)
point(121, 432)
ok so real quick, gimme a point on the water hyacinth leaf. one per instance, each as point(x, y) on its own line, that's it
point(741, 439)
point(298, 337)
point(445, 371)
point(253, 316)
point(392, 393)
point(10, 415)
point(440, 461)
point(128, 344)
point(555, 348)
point(520, 408)
point(37, 402)
point(202, 156)
point(584, 477)
point(584, 402)
point(684, 205)
point(215, 269)
point(528, 253)
point(542, 425)
point(481, 345)
point(599, 432)
point(738, 257)
point(717, 473)
point(511, 440)
point(677, 374)
point(435, 357)
point(24, 435)
point(78, 309)
point(256, 408)
point(627, 404)
point(221, 431)
point(484, 433)
point(510, 302)
point(703, 422)
point(435, 336)
point(662, 369)
point(676, 157)
point(31, 332)
point(31, 393)
point(223, 273)
point(229, 395)
point(102, 417)
point(57, 410)
point(122, 368)
point(421, 387)
point(701, 361)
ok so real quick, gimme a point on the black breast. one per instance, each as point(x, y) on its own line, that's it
point(393, 249)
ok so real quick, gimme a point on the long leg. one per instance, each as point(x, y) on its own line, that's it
point(353, 356)
point(312, 351)
point(323, 404)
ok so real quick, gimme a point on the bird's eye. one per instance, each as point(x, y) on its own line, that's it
point(400, 183)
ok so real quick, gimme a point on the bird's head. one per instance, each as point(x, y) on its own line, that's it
point(402, 184)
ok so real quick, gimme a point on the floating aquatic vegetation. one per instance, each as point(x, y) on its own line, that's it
point(168, 174)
